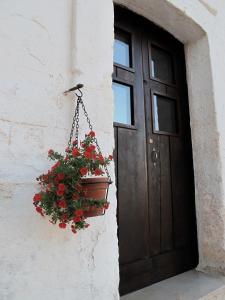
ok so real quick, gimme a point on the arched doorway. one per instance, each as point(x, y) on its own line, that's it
point(156, 207)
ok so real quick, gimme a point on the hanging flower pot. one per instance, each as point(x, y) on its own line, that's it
point(76, 186)
point(95, 189)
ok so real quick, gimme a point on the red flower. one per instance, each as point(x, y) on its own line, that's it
point(75, 152)
point(67, 149)
point(91, 134)
point(45, 178)
point(39, 210)
point(79, 212)
point(62, 225)
point(98, 172)
point(50, 152)
point(61, 176)
point(74, 143)
point(59, 193)
point(61, 187)
point(67, 158)
point(94, 155)
point(64, 218)
point(83, 171)
point(83, 145)
point(62, 203)
point(90, 148)
point(87, 154)
point(101, 159)
point(56, 165)
point(73, 228)
point(77, 219)
point(110, 157)
point(106, 205)
point(37, 197)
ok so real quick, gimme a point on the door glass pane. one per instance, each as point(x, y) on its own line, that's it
point(161, 65)
point(122, 49)
point(164, 114)
point(122, 103)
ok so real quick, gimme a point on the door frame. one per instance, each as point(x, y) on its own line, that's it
point(166, 34)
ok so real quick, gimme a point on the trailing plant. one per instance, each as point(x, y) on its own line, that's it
point(62, 195)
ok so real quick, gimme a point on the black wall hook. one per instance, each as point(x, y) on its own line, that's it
point(77, 87)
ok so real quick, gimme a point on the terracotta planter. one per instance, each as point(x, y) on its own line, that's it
point(95, 189)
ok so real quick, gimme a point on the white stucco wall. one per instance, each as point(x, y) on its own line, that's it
point(46, 47)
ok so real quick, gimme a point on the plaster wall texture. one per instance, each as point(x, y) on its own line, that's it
point(48, 46)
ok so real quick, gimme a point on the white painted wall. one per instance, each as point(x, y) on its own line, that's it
point(46, 47)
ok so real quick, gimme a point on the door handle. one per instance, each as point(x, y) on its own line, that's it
point(155, 156)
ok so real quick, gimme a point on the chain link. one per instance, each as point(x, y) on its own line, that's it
point(75, 123)
point(95, 140)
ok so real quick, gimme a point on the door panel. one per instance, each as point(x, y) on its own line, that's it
point(166, 195)
point(155, 189)
point(132, 186)
point(180, 194)
point(131, 161)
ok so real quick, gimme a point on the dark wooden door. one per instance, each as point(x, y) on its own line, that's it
point(153, 154)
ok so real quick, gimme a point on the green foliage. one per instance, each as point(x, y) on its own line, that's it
point(62, 196)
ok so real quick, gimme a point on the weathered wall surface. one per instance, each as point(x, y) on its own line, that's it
point(46, 46)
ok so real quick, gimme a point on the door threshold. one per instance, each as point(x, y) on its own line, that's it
point(191, 285)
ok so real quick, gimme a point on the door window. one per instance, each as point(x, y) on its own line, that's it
point(122, 103)
point(122, 49)
point(161, 65)
point(164, 114)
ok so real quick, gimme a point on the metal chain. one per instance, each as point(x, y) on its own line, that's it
point(95, 140)
point(75, 123)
